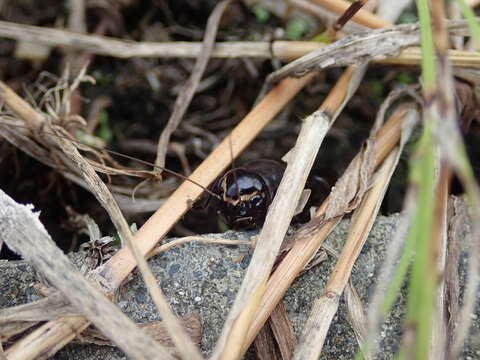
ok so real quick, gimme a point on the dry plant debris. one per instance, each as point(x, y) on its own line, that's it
point(44, 130)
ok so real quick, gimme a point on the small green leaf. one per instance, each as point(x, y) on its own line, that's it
point(408, 17)
point(102, 78)
point(260, 12)
point(296, 28)
point(404, 78)
point(376, 89)
point(104, 131)
point(322, 37)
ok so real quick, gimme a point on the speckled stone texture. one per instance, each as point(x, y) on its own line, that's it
point(204, 278)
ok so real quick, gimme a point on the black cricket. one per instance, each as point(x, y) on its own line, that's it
point(246, 192)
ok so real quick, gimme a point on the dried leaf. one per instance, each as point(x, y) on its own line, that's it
point(360, 48)
point(264, 344)
point(458, 218)
point(356, 315)
point(283, 331)
point(156, 329)
point(467, 104)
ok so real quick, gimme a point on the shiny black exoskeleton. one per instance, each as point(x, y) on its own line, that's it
point(246, 193)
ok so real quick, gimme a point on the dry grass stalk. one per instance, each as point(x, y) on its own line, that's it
point(24, 234)
point(438, 249)
point(186, 94)
point(363, 17)
point(343, 19)
point(131, 206)
point(308, 243)
point(76, 18)
point(264, 345)
point(35, 143)
point(285, 50)
point(23, 110)
point(325, 307)
point(41, 310)
point(125, 202)
point(103, 195)
point(201, 239)
point(17, 319)
point(11, 329)
point(357, 317)
point(115, 271)
point(283, 331)
point(280, 214)
point(35, 120)
point(325, 16)
point(439, 324)
point(97, 186)
point(358, 48)
point(457, 219)
point(155, 329)
point(30, 132)
point(453, 152)
point(376, 313)
point(48, 339)
point(276, 340)
point(413, 56)
point(108, 46)
point(288, 269)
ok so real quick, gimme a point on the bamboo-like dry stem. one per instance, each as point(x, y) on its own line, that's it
point(453, 152)
point(322, 14)
point(271, 237)
point(284, 50)
point(99, 189)
point(229, 345)
point(108, 46)
point(363, 17)
point(48, 339)
point(305, 247)
point(325, 307)
point(413, 56)
point(201, 239)
point(376, 308)
point(439, 326)
point(23, 233)
point(359, 48)
point(33, 118)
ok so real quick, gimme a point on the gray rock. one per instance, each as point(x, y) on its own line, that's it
point(204, 278)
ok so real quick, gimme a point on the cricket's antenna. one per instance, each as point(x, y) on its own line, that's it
point(171, 172)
